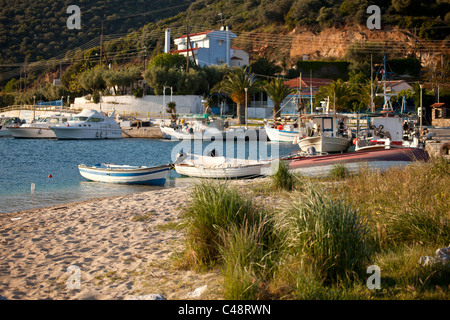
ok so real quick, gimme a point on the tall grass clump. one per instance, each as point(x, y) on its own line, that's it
point(214, 207)
point(339, 171)
point(328, 234)
point(283, 179)
point(247, 260)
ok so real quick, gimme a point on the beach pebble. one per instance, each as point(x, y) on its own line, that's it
point(197, 292)
point(442, 256)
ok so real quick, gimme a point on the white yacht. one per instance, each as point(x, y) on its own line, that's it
point(39, 129)
point(89, 124)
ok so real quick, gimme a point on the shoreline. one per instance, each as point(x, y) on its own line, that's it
point(120, 246)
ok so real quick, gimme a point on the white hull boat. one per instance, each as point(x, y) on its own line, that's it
point(5, 122)
point(326, 132)
point(39, 129)
point(112, 173)
point(89, 124)
point(275, 134)
point(179, 134)
point(221, 167)
point(325, 144)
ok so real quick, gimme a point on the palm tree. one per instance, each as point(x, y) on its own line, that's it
point(234, 84)
point(172, 110)
point(277, 92)
point(338, 92)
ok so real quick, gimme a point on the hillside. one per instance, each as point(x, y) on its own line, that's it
point(283, 31)
point(37, 30)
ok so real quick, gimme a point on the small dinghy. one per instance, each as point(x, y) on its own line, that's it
point(113, 173)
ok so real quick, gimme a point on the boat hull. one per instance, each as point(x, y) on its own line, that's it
point(247, 172)
point(143, 175)
point(31, 133)
point(219, 167)
point(325, 144)
point(83, 133)
point(280, 135)
point(374, 159)
point(170, 133)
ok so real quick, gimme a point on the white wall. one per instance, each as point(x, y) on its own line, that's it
point(144, 106)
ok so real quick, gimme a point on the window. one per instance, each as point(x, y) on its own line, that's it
point(220, 43)
point(93, 119)
point(79, 118)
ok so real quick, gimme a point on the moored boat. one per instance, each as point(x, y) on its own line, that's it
point(326, 133)
point(380, 159)
point(285, 133)
point(89, 124)
point(219, 167)
point(39, 129)
point(112, 173)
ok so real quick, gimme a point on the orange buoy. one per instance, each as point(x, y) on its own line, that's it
point(50, 176)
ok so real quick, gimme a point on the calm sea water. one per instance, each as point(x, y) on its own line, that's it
point(27, 161)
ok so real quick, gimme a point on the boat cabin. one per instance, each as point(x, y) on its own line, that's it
point(329, 125)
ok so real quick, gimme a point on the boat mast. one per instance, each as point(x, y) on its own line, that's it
point(299, 102)
point(371, 85)
point(310, 90)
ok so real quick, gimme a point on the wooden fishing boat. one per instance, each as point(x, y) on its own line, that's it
point(112, 173)
point(380, 159)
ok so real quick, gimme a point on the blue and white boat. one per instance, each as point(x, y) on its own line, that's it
point(113, 173)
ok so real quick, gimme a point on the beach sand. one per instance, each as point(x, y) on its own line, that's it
point(111, 248)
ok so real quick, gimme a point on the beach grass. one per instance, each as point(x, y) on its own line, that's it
point(320, 243)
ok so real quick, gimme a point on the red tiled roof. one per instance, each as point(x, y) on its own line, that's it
point(439, 105)
point(306, 82)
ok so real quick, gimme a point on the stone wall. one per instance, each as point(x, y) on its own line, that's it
point(142, 108)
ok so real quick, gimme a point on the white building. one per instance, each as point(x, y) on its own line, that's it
point(211, 47)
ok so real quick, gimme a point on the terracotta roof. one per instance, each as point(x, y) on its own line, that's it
point(439, 105)
point(306, 82)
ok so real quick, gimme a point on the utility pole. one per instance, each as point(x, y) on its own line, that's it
point(101, 45)
point(187, 48)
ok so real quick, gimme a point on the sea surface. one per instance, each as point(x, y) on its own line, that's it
point(51, 165)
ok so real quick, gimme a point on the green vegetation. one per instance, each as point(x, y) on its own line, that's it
point(320, 244)
point(134, 31)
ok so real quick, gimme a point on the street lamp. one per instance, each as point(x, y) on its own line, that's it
point(34, 108)
point(420, 110)
point(246, 125)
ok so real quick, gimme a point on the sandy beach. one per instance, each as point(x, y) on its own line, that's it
point(112, 248)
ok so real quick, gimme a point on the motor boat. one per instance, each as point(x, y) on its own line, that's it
point(89, 124)
point(39, 129)
point(8, 121)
